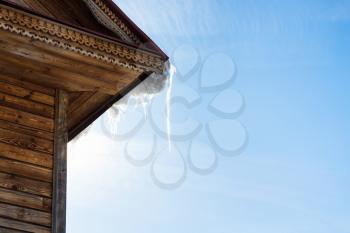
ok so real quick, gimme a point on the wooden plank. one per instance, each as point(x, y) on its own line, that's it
point(26, 105)
point(41, 77)
point(35, 5)
point(25, 214)
point(60, 78)
point(25, 155)
point(26, 185)
point(69, 59)
point(84, 110)
point(26, 119)
point(80, 101)
point(25, 170)
point(25, 200)
point(55, 8)
point(26, 130)
point(28, 50)
point(8, 230)
point(7, 85)
point(72, 96)
point(19, 82)
point(60, 164)
point(80, 13)
point(27, 227)
point(26, 142)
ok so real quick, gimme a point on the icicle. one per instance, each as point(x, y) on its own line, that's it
point(144, 93)
point(171, 73)
point(114, 115)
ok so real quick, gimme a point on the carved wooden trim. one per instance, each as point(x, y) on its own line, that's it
point(115, 25)
point(123, 29)
point(68, 38)
point(59, 191)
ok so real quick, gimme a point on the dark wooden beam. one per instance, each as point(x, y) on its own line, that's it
point(60, 164)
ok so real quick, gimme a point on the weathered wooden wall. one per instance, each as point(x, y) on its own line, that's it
point(26, 156)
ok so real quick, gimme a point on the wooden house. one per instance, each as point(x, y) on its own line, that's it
point(62, 64)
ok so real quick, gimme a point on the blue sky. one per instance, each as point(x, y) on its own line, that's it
point(286, 65)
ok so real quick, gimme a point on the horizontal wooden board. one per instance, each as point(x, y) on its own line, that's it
point(16, 183)
point(25, 155)
point(52, 76)
point(26, 142)
point(19, 91)
point(26, 119)
point(26, 227)
point(25, 130)
point(26, 105)
point(26, 170)
point(39, 54)
point(26, 85)
point(25, 214)
point(25, 200)
point(8, 230)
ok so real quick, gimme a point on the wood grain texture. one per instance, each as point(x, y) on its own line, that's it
point(76, 115)
point(26, 200)
point(26, 119)
point(43, 56)
point(27, 114)
point(17, 183)
point(26, 142)
point(26, 105)
point(25, 214)
point(80, 100)
point(8, 230)
point(21, 82)
point(73, 12)
point(24, 155)
point(22, 226)
point(25, 170)
point(25, 130)
point(68, 60)
point(55, 76)
point(60, 164)
point(22, 92)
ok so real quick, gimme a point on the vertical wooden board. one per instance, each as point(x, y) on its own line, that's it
point(60, 164)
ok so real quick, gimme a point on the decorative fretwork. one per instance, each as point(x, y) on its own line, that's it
point(80, 42)
point(116, 23)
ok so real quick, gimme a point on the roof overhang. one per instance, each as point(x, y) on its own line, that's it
point(53, 53)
